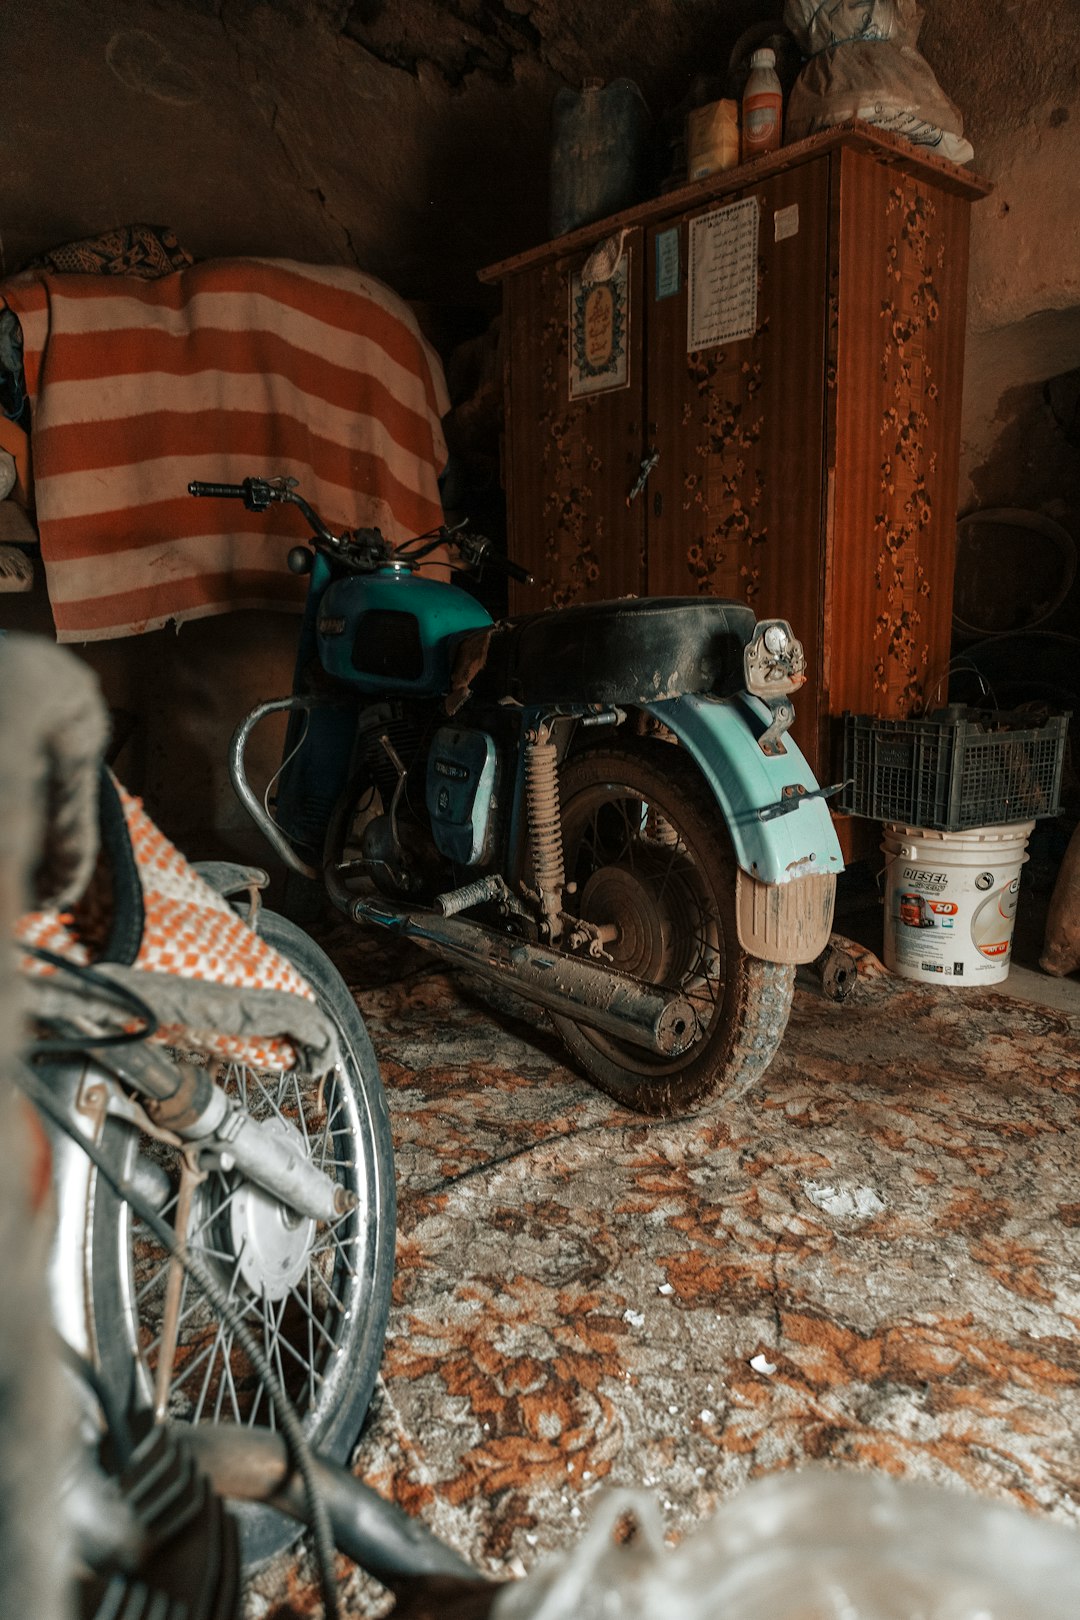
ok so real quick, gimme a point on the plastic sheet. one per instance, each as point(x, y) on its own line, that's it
point(814, 1545)
point(864, 64)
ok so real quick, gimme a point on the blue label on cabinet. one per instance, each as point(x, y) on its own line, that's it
point(667, 263)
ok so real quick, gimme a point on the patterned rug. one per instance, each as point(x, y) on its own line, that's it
point(872, 1260)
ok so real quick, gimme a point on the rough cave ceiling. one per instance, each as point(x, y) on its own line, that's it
point(407, 136)
point(456, 38)
point(410, 137)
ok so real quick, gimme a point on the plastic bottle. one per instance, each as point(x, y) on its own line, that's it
point(762, 107)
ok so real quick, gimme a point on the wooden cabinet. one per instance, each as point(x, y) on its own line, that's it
point(809, 468)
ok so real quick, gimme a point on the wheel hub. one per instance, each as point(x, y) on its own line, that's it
point(267, 1243)
point(615, 896)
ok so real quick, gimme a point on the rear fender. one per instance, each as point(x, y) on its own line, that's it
point(721, 737)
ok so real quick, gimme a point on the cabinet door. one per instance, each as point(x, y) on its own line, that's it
point(572, 459)
point(894, 438)
point(735, 503)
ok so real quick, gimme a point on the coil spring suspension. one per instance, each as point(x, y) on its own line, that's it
point(545, 826)
point(660, 831)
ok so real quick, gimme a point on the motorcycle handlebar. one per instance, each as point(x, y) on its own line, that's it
point(258, 493)
point(228, 491)
point(478, 552)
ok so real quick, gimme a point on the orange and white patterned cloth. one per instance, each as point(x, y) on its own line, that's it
point(190, 932)
point(225, 369)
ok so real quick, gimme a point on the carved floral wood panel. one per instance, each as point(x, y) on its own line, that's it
point(810, 468)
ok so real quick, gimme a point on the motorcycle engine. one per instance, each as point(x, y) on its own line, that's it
point(442, 812)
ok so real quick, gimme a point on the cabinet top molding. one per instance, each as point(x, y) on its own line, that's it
point(891, 150)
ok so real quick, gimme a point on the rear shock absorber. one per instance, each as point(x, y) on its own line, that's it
point(545, 825)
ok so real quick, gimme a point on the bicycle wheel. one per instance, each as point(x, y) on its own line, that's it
point(315, 1295)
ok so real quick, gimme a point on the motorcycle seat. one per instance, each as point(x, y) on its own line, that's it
point(635, 650)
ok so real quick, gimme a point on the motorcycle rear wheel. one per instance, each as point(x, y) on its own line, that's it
point(646, 846)
point(324, 1335)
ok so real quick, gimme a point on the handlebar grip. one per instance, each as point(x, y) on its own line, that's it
point(233, 491)
point(516, 571)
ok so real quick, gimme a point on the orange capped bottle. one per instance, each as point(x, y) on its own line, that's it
point(762, 107)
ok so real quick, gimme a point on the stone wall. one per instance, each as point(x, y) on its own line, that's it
point(1014, 68)
point(409, 138)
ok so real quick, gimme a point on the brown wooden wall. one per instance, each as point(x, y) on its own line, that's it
point(894, 390)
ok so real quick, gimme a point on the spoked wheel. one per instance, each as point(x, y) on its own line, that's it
point(655, 874)
point(314, 1295)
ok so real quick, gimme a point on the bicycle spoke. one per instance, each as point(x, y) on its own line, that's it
point(314, 1325)
point(283, 1343)
point(267, 1098)
point(218, 1339)
point(310, 1336)
point(275, 1360)
point(300, 1333)
point(300, 1111)
point(232, 1391)
point(325, 1141)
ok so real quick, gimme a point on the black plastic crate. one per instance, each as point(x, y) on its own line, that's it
point(955, 769)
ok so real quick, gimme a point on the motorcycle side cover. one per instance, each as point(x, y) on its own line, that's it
point(459, 790)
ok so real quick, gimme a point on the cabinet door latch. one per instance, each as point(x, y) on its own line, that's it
point(647, 465)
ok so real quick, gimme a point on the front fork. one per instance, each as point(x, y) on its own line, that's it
point(184, 1105)
point(317, 750)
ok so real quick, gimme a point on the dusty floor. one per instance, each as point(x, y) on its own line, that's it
point(891, 1218)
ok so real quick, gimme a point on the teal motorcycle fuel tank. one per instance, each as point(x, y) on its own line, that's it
point(392, 633)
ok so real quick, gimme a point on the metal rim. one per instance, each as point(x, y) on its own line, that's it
point(613, 828)
point(307, 1327)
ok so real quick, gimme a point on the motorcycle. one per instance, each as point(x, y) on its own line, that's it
point(221, 1158)
point(597, 807)
point(280, 1187)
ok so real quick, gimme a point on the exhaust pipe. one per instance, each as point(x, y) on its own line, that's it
point(589, 993)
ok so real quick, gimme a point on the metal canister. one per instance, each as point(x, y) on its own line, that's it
point(599, 142)
point(712, 139)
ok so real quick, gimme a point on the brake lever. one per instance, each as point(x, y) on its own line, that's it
point(476, 551)
point(260, 493)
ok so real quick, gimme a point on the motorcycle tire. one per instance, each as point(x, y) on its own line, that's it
point(646, 847)
point(324, 1337)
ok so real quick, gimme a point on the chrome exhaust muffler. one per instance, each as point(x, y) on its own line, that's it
point(588, 992)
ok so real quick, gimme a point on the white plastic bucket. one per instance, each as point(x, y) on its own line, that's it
point(950, 901)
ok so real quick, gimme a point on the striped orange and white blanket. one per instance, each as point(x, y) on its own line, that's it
point(229, 368)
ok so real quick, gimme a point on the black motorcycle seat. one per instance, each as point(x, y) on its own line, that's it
point(636, 650)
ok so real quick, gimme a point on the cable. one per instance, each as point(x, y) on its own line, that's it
point(295, 1439)
point(129, 1001)
point(288, 758)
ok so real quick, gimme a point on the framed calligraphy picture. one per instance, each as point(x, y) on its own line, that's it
point(600, 333)
point(721, 306)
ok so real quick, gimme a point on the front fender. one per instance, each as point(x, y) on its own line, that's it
point(721, 735)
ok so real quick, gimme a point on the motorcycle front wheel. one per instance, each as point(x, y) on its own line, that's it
point(315, 1296)
point(646, 848)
